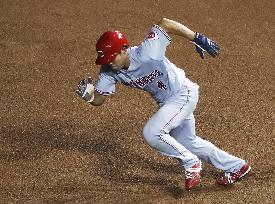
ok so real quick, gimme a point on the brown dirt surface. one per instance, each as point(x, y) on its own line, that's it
point(54, 148)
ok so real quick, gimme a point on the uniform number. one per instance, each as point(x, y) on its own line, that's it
point(161, 85)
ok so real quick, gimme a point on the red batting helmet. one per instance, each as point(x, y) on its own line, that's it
point(109, 45)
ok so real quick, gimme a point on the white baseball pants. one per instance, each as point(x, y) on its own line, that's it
point(171, 131)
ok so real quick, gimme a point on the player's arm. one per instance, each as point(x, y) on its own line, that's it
point(87, 91)
point(96, 95)
point(173, 27)
point(202, 42)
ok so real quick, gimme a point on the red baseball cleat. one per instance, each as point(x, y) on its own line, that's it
point(193, 176)
point(230, 178)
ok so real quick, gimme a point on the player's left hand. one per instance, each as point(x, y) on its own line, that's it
point(203, 44)
point(85, 89)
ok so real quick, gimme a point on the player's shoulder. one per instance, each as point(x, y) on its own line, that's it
point(156, 32)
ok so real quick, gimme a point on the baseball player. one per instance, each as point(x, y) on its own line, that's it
point(171, 130)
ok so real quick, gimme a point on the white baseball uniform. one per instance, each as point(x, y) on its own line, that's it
point(171, 130)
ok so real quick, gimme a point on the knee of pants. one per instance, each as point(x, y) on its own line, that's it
point(151, 135)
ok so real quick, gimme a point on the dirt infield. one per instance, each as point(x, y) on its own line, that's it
point(54, 148)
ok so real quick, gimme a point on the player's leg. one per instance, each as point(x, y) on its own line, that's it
point(157, 129)
point(185, 134)
point(234, 167)
point(169, 116)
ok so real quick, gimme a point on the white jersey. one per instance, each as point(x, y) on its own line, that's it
point(149, 69)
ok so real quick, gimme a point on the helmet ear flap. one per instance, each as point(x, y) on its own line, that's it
point(109, 45)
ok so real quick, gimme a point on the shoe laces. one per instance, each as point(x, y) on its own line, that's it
point(192, 172)
point(228, 177)
point(189, 175)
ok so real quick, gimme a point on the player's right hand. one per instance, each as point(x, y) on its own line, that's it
point(85, 89)
point(203, 44)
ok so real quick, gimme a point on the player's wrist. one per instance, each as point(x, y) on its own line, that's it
point(193, 35)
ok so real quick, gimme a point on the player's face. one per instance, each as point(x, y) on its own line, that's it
point(121, 61)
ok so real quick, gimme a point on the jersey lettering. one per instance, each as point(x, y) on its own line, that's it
point(143, 81)
point(130, 83)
